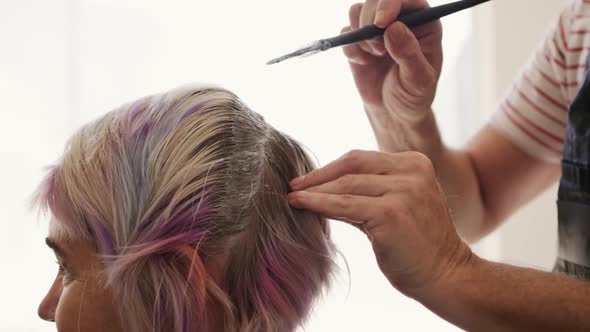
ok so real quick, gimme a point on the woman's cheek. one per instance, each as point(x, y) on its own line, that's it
point(68, 308)
point(87, 306)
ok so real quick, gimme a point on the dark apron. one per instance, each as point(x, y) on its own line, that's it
point(573, 204)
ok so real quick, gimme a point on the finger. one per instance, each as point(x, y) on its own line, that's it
point(355, 54)
point(386, 11)
point(366, 162)
point(415, 70)
point(363, 185)
point(425, 30)
point(377, 45)
point(368, 12)
point(354, 15)
point(354, 162)
point(367, 15)
point(348, 207)
point(430, 37)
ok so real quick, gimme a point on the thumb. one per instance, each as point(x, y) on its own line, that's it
point(416, 73)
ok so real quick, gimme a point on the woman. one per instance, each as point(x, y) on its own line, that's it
point(171, 214)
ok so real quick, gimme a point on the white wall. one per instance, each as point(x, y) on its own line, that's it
point(34, 121)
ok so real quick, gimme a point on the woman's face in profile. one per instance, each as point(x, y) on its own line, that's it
point(77, 299)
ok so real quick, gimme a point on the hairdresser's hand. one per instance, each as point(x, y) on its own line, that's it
point(395, 75)
point(397, 201)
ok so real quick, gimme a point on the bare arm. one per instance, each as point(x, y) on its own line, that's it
point(489, 180)
point(505, 178)
point(486, 296)
point(485, 182)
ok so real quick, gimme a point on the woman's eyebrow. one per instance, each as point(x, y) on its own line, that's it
point(56, 248)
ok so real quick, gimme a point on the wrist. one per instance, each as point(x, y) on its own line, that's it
point(449, 281)
point(397, 133)
point(411, 116)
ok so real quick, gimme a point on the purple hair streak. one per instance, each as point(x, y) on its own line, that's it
point(184, 196)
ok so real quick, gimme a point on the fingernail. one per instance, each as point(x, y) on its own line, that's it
point(297, 194)
point(297, 182)
point(295, 197)
point(379, 49)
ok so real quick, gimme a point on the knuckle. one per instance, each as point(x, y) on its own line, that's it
point(347, 182)
point(420, 162)
point(350, 154)
point(353, 159)
point(345, 202)
point(390, 211)
point(355, 9)
point(414, 188)
point(418, 186)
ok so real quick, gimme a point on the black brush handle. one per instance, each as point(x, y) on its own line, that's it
point(411, 19)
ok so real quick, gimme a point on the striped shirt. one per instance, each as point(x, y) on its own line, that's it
point(533, 114)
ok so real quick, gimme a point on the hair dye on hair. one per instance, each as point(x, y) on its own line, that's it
point(169, 183)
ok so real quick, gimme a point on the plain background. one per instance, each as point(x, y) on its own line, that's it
point(65, 62)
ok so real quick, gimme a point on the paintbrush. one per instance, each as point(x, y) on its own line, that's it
point(411, 19)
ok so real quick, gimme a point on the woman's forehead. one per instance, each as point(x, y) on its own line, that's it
point(73, 248)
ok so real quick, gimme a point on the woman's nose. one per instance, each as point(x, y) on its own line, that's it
point(46, 309)
point(48, 305)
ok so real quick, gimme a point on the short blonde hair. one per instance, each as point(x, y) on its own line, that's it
point(163, 183)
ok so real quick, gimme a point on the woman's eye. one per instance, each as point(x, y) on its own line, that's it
point(64, 274)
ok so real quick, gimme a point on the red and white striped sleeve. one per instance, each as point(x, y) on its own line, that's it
point(533, 115)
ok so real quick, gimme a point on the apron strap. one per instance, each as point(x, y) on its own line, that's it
point(574, 232)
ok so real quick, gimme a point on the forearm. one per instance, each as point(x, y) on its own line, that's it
point(486, 296)
point(455, 169)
